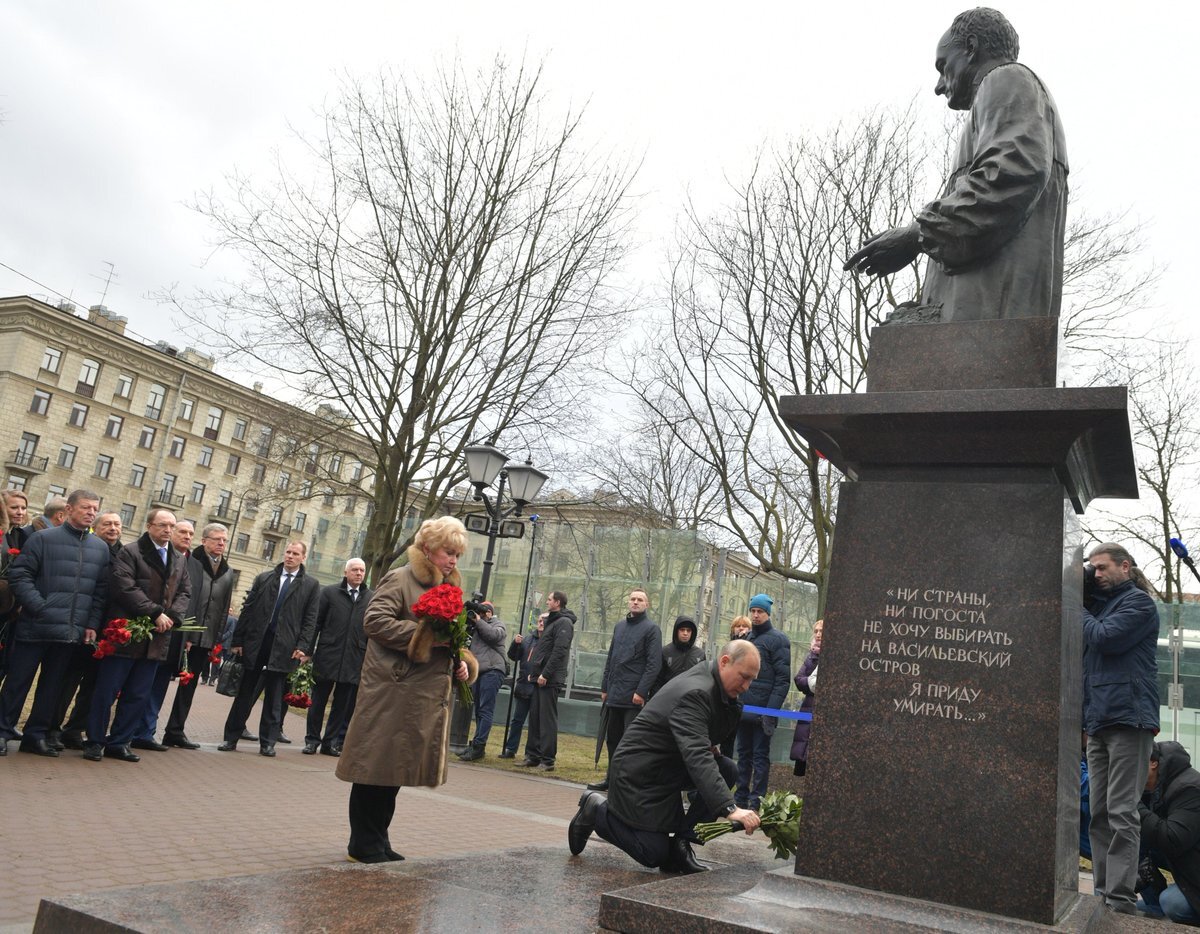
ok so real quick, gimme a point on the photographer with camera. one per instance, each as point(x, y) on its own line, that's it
point(487, 644)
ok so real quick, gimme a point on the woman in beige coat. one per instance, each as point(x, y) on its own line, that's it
point(400, 732)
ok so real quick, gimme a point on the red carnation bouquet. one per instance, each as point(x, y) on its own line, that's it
point(442, 609)
point(300, 685)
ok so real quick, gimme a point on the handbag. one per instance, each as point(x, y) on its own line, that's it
point(229, 681)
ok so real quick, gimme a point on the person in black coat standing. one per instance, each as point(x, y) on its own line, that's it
point(274, 635)
point(548, 663)
point(337, 661)
point(520, 650)
point(672, 747)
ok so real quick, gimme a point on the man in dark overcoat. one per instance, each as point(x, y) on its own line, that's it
point(671, 747)
point(337, 661)
point(146, 578)
point(274, 635)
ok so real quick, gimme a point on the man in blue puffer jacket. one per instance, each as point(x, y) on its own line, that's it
point(768, 690)
point(1120, 715)
point(60, 580)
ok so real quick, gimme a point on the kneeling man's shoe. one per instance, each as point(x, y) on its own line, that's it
point(584, 821)
point(682, 859)
point(598, 786)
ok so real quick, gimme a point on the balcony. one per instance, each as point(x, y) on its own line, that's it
point(274, 528)
point(165, 499)
point(23, 462)
point(223, 513)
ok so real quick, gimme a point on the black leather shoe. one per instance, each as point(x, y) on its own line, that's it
point(38, 747)
point(180, 742)
point(471, 753)
point(54, 741)
point(682, 860)
point(73, 741)
point(584, 821)
point(121, 752)
point(93, 752)
point(150, 744)
point(335, 752)
point(267, 750)
point(529, 764)
point(598, 786)
point(310, 749)
point(228, 746)
point(248, 736)
point(283, 739)
point(507, 755)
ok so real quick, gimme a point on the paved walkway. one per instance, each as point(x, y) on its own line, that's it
point(72, 826)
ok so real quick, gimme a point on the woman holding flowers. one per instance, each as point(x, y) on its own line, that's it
point(400, 732)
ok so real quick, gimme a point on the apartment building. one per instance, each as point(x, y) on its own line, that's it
point(145, 425)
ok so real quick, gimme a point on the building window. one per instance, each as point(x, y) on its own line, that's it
point(154, 401)
point(306, 489)
point(186, 409)
point(127, 512)
point(168, 486)
point(177, 446)
point(78, 416)
point(343, 534)
point(268, 551)
point(113, 428)
point(327, 497)
point(242, 543)
point(350, 502)
point(335, 465)
point(206, 454)
point(298, 522)
point(103, 466)
point(235, 461)
point(224, 498)
point(137, 475)
point(66, 456)
point(197, 493)
point(51, 359)
point(147, 437)
point(370, 508)
point(212, 424)
point(322, 526)
point(27, 447)
point(284, 481)
point(264, 441)
point(41, 402)
point(260, 472)
point(124, 388)
point(240, 426)
point(54, 490)
point(356, 471)
point(276, 519)
point(310, 461)
point(15, 482)
point(89, 372)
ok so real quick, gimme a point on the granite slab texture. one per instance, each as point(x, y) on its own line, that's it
point(737, 900)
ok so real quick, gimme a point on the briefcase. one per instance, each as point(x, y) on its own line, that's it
point(230, 679)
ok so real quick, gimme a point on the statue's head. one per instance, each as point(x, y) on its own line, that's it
point(976, 38)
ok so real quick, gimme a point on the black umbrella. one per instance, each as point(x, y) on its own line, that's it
point(603, 734)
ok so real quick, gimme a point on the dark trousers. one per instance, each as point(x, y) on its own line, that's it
point(158, 694)
point(270, 687)
point(371, 810)
point(79, 680)
point(517, 724)
point(77, 723)
point(485, 689)
point(344, 695)
point(197, 658)
point(619, 719)
point(652, 847)
point(754, 763)
point(542, 745)
point(24, 659)
point(133, 679)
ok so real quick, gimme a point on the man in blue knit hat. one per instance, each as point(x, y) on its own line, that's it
point(768, 690)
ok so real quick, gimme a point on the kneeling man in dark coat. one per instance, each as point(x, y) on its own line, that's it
point(670, 748)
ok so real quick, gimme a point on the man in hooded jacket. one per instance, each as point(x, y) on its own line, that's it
point(681, 653)
point(1170, 823)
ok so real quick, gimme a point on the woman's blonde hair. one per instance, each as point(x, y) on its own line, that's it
point(739, 622)
point(445, 532)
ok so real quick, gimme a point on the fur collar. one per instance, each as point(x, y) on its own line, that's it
point(424, 571)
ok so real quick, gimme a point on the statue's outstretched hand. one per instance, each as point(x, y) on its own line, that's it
point(886, 252)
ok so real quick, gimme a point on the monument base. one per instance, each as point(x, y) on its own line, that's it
point(736, 900)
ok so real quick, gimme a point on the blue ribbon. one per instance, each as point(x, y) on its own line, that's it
point(782, 714)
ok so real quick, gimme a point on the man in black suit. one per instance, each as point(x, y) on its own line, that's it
point(274, 634)
point(341, 645)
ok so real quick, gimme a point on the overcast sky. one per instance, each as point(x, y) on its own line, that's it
point(116, 113)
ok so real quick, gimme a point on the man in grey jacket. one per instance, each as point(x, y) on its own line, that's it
point(630, 671)
point(488, 648)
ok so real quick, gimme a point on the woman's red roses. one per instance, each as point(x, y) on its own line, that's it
point(444, 601)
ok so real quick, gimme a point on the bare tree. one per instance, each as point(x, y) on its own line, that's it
point(1163, 408)
point(438, 273)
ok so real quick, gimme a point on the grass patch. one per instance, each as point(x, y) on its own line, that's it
point(574, 763)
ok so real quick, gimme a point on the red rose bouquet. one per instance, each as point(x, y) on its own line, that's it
point(300, 685)
point(122, 631)
point(442, 609)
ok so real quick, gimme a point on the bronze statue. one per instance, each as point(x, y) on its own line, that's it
point(994, 237)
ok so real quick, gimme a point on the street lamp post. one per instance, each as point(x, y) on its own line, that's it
point(523, 481)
